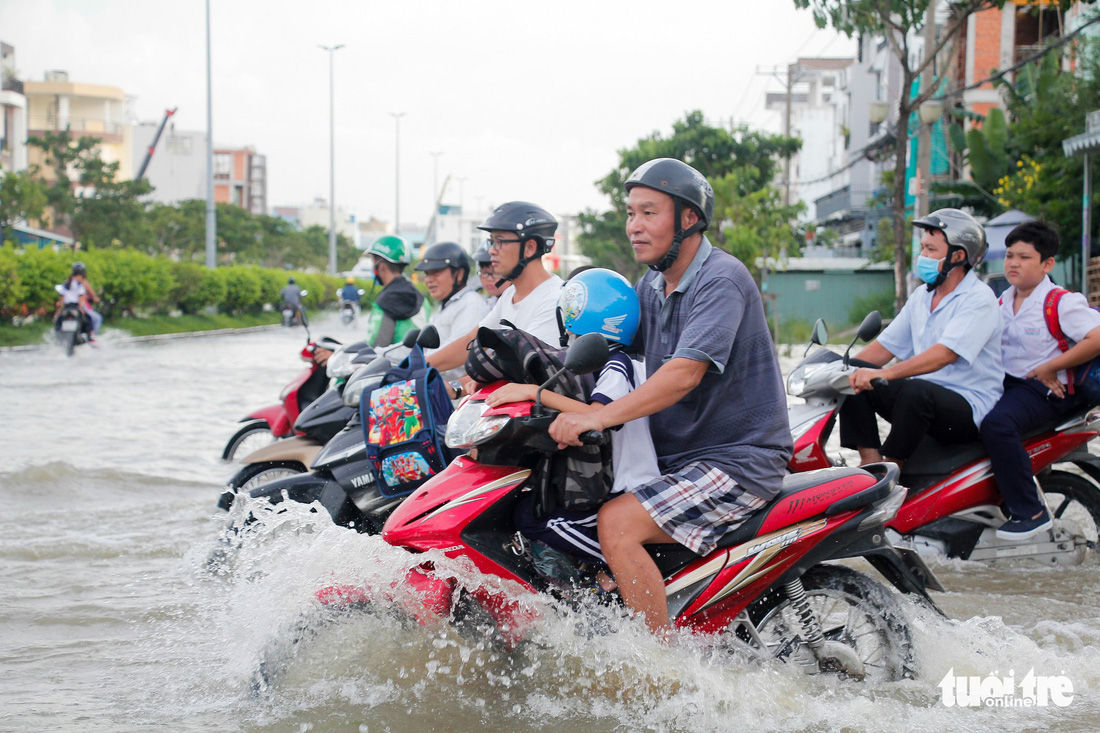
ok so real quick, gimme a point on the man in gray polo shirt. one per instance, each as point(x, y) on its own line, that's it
point(714, 393)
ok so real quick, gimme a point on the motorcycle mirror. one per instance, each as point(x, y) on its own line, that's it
point(819, 335)
point(305, 292)
point(428, 338)
point(410, 338)
point(867, 330)
point(870, 327)
point(362, 292)
point(587, 354)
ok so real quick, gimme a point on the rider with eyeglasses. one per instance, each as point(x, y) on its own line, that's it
point(520, 233)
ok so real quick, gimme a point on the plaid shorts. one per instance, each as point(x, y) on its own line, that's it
point(697, 505)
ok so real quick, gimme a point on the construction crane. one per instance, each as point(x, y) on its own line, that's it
point(153, 145)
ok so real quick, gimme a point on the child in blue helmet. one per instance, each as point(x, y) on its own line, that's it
point(594, 301)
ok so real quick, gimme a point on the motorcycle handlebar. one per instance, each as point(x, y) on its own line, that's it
point(592, 437)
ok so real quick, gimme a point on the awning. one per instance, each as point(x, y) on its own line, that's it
point(997, 229)
point(1087, 142)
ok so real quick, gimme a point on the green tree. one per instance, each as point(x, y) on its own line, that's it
point(22, 196)
point(740, 162)
point(12, 292)
point(99, 209)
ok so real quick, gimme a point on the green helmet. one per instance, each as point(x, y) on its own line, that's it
point(391, 249)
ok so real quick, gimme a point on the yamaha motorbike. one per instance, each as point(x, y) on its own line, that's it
point(340, 476)
point(769, 587)
point(315, 426)
point(953, 507)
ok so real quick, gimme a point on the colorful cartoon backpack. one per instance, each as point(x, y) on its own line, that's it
point(404, 423)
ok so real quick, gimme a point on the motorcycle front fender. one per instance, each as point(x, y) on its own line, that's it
point(276, 418)
point(297, 448)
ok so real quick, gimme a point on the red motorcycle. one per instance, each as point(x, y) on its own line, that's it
point(768, 587)
point(953, 506)
point(266, 425)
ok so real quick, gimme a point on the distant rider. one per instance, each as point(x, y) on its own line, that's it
point(350, 294)
point(397, 309)
point(948, 340)
point(460, 307)
point(1036, 385)
point(292, 296)
point(77, 289)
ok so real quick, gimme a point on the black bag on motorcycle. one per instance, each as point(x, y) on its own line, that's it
point(580, 477)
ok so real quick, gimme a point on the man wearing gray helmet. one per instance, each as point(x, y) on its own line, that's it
point(948, 342)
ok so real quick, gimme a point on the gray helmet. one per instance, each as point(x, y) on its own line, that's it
point(679, 180)
point(79, 269)
point(444, 254)
point(960, 229)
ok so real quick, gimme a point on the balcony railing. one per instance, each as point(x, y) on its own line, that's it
point(75, 125)
point(13, 85)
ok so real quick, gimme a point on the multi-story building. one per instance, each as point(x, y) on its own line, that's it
point(317, 214)
point(240, 178)
point(177, 170)
point(13, 115)
point(95, 110)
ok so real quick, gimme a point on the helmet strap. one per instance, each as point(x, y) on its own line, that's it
point(948, 266)
point(681, 234)
point(563, 337)
point(518, 269)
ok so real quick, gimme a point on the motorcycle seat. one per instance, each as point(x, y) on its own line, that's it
point(670, 558)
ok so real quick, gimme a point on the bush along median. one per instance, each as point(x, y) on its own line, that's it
point(167, 296)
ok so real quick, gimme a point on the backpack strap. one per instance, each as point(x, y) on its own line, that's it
point(1050, 315)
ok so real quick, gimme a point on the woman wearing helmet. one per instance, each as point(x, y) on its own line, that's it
point(714, 394)
point(86, 296)
point(398, 308)
point(460, 306)
point(595, 301)
point(947, 335)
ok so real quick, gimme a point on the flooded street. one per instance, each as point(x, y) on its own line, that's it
point(112, 619)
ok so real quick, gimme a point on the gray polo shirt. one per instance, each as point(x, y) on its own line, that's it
point(736, 419)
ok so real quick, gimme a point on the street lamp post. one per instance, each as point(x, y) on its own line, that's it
point(331, 160)
point(435, 177)
point(211, 215)
point(397, 171)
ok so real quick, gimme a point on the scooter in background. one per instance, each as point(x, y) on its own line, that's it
point(953, 507)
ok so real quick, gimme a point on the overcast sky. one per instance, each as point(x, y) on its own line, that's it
point(525, 100)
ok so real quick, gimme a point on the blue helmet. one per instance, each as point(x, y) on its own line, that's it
point(600, 301)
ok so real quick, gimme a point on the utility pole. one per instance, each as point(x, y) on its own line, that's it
point(794, 75)
point(211, 215)
point(331, 160)
point(397, 171)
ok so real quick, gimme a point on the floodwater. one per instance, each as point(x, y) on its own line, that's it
point(111, 618)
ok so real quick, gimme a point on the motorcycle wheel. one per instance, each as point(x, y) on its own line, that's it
point(70, 342)
point(253, 436)
point(257, 474)
point(853, 610)
point(1070, 496)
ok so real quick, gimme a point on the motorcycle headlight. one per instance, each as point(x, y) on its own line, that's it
point(365, 377)
point(796, 382)
point(468, 426)
point(339, 364)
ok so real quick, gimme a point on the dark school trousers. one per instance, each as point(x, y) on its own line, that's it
point(1026, 404)
point(914, 408)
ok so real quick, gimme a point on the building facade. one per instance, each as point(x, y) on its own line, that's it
point(57, 104)
point(13, 115)
point(240, 178)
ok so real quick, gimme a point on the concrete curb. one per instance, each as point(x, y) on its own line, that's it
point(154, 337)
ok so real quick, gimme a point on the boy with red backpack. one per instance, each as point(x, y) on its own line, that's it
point(1040, 321)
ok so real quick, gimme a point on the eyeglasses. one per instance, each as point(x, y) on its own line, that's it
point(484, 272)
point(497, 244)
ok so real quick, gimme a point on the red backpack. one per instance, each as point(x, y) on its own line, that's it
point(1085, 377)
